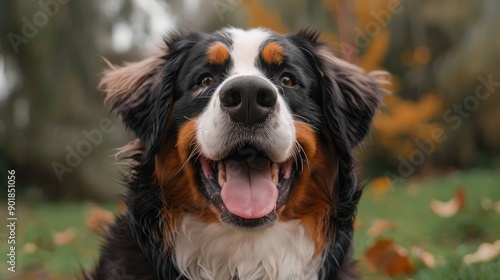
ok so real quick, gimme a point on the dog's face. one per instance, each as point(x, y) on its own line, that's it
point(246, 91)
point(247, 127)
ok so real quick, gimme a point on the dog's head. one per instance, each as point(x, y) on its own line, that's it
point(247, 128)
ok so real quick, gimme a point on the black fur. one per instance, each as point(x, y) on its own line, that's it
point(342, 99)
point(349, 100)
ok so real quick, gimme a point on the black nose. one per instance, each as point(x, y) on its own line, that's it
point(248, 99)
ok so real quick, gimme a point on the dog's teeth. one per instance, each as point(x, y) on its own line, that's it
point(222, 174)
point(275, 172)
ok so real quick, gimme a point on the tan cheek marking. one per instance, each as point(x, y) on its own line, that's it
point(311, 199)
point(273, 53)
point(178, 187)
point(217, 54)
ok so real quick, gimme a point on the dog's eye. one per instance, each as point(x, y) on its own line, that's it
point(206, 81)
point(287, 80)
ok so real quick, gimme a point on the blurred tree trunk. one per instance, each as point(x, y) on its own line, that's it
point(462, 51)
point(56, 97)
point(461, 73)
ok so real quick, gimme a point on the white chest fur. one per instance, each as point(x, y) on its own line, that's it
point(218, 252)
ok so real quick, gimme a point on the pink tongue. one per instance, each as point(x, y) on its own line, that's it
point(249, 191)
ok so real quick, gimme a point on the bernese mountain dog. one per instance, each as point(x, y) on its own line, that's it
point(243, 165)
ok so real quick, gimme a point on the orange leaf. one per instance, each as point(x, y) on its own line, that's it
point(29, 247)
point(426, 257)
point(496, 207)
point(122, 207)
point(98, 218)
point(357, 223)
point(64, 237)
point(379, 227)
point(388, 258)
point(34, 274)
point(449, 208)
point(44, 244)
point(485, 253)
point(380, 185)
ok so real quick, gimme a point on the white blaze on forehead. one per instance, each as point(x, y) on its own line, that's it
point(245, 49)
point(217, 134)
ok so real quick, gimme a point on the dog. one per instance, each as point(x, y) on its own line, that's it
point(243, 166)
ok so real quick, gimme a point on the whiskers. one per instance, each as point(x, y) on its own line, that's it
point(305, 122)
point(300, 157)
point(194, 152)
point(185, 136)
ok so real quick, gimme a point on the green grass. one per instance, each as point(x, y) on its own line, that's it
point(37, 222)
point(448, 239)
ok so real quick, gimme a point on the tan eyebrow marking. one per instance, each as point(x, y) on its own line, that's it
point(217, 53)
point(273, 53)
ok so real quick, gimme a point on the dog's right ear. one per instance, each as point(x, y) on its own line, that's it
point(142, 92)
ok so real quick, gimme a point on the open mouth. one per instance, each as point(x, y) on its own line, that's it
point(247, 187)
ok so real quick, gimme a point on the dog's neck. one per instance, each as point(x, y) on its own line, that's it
point(215, 251)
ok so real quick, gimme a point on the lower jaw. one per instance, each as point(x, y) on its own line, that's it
point(248, 224)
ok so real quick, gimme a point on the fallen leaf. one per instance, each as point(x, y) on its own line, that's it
point(380, 185)
point(357, 223)
point(424, 256)
point(64, 237)
point(98, 218)
point(29, 247)
point(388, 258)
point(379, 227)
point(34, 274)
point(449, 208)
point(44, 243)
point(485, 253)
point(122, 207)
point(496, 207)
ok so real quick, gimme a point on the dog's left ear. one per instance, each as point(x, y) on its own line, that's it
point(349, 98)
point(349, 95)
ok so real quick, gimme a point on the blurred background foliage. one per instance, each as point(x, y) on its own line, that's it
point(439, 53)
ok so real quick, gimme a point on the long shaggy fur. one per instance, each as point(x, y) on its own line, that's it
point(170, 231)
